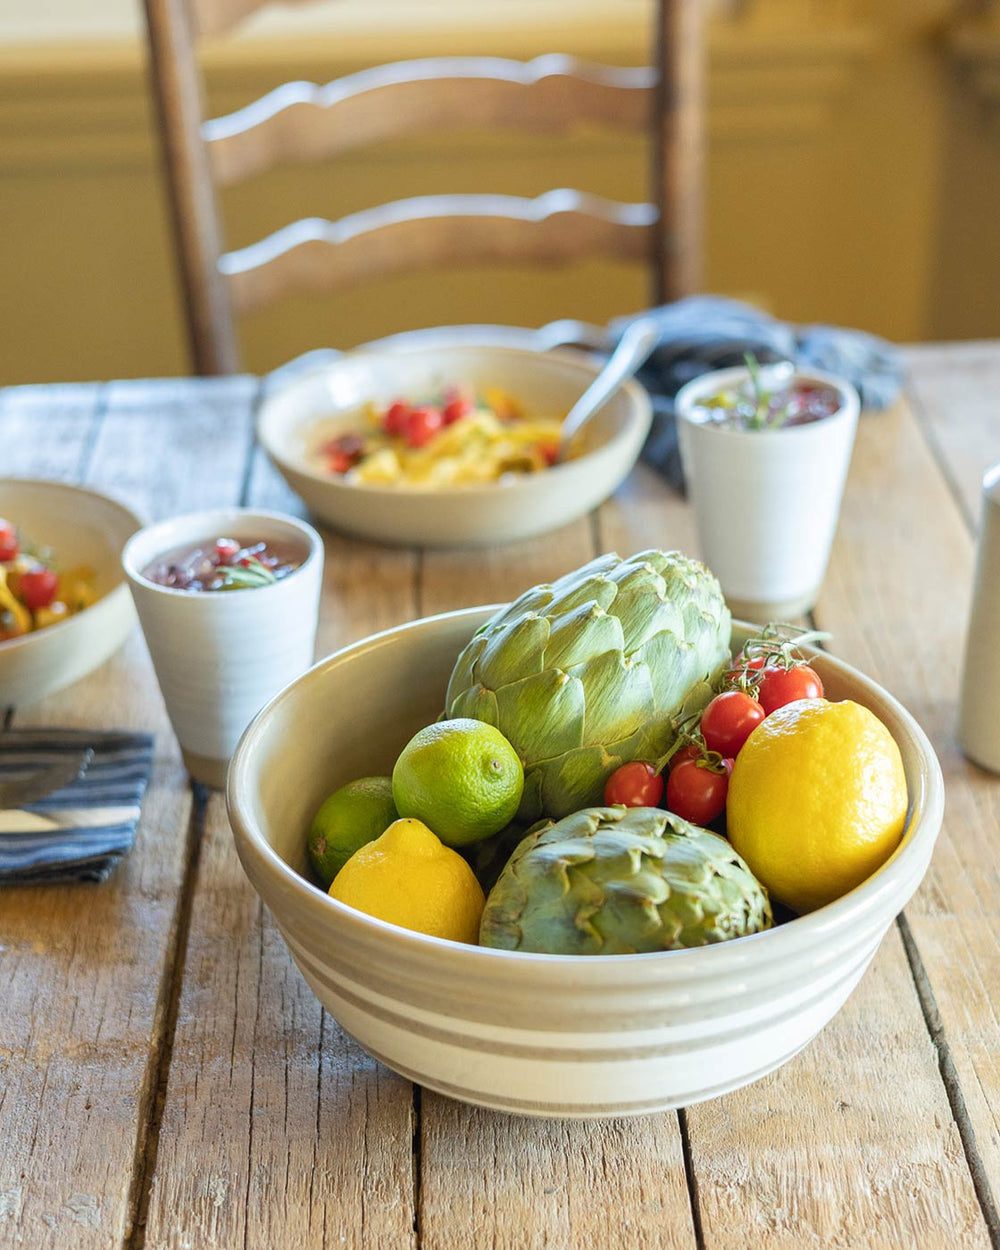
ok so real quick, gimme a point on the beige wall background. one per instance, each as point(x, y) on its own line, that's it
point(853, 171)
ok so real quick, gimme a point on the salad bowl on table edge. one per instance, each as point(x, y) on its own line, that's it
point(83, 527)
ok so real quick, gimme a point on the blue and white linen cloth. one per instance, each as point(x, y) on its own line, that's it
point(80, 832)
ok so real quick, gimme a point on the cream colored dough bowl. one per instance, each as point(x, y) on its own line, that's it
point(83, 528)
point(539, 1034)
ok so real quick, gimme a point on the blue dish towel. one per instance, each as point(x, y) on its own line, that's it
point(80, 832)
point(707, 332)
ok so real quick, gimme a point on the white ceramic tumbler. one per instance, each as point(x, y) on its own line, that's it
point(219, 656)
point(978, 719)
point(766, 501)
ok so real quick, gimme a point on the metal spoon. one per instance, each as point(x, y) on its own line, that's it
point(632, 352)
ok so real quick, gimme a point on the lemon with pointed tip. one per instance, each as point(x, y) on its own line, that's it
point(817, 800)
point(408, 877)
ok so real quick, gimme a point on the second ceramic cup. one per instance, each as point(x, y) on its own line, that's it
point(219, 656)
point(766, 501)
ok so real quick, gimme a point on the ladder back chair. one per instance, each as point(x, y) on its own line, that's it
point(305, 122)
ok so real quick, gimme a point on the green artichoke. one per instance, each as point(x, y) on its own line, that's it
point(619, 881)
point(594, 670)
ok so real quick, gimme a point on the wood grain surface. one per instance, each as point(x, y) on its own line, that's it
point(168, 1080)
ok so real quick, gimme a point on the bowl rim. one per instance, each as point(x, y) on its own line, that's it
point(775, 945)
point(10, 645)
point(638, 419)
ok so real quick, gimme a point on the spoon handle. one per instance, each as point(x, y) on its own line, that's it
point(632, 351)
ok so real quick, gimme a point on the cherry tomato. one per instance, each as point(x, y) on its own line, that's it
point(396, 417)
point(421, 426)
point(225, 549)
point(696, 793)
point(8, 542)
point(784, 685)
point(456, 408)
point(339, 462)
point(637, 784)
point(37, 588)
point(741, 663)
point(729, 720)
point(689, 752)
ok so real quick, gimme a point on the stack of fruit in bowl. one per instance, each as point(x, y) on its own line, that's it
point(529, 816)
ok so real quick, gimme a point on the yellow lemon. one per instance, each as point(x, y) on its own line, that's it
point(410, 878)
point(817, 800)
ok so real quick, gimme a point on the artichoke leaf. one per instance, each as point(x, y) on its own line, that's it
point(476, 703)
point(575, 780)
point(546, 707)
point(536, 599)
point(645, 612)
point(598, 589)
point(599, 566)
point(513, 651)
point(463, 673)
point(586, 631)
point(619, 697)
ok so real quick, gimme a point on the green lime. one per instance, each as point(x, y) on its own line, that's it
point(461, 777)
point(350, 818)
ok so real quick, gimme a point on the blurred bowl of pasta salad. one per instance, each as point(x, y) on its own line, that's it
point(440, 438)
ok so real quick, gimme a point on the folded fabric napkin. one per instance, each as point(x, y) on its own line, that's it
point(706, 332)
point(78, 832)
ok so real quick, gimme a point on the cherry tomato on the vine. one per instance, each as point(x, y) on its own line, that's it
point(37, 588)
point(784, 685)
point(728, 721)
point(741, 664)
point(696, 792)
point(689, 752)
point(8, 542)
point(636, 784)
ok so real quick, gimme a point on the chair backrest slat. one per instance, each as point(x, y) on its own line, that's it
point(302, 121)
point(314, 255)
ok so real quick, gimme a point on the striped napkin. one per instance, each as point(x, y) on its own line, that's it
point(80, 832)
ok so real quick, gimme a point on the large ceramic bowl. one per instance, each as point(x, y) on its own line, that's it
point(540, 1034)
point(83, 528)
point(328, 400)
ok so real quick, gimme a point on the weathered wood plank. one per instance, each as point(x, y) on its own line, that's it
point(953, 389)
point(897, 599)
point(852, 1144)
point(314, 1137)
point(497, 1182)
point(45, 431)
point(84, 1003)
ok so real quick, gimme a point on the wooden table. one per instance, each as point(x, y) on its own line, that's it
point(167, 1079)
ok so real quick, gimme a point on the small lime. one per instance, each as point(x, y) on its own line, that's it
point(351, 817)
point(461, 777)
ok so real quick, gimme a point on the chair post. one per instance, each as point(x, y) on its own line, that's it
point(177, 91)
point(678, 150)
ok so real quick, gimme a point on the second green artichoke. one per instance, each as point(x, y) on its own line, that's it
point(621, 881)
point(594, 670)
